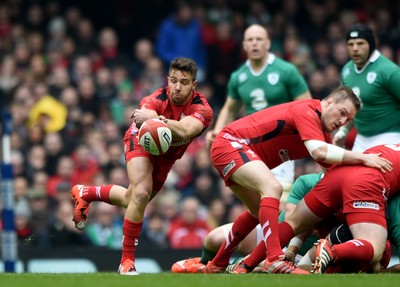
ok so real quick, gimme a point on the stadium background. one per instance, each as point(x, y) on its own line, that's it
point(76, 66)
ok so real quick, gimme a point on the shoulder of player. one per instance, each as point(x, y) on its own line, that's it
point(159, 94)
point(347, 65)
point(384, 64)
point(283, 65)
point(304, 109)
point(199, 104)
point(309, 102)
point(199, 99)
point(243, 68)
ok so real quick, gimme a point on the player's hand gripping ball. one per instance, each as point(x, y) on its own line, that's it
point(155, 136)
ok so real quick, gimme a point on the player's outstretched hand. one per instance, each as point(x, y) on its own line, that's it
point(375, 160)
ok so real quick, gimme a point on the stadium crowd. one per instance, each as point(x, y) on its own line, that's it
point(71, 81)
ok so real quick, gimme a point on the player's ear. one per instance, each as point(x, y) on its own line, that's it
point(194, 85)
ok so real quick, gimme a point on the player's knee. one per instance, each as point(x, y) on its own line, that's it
point(275, 189)
point(379, 249)
point(140, 197)
point(214, 238)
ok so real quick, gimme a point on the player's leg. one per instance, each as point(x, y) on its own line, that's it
point(260, 180)
point(367, 247)
point(83, 195)
point(139, 193)
point(211, 243)
point(241, 227)
point(284, 173)
point(112, 194)
point(364, 210)
point(245, 248)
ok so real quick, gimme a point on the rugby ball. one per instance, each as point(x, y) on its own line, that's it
point(155, 136)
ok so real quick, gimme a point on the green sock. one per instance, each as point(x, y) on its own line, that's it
point(206, 255)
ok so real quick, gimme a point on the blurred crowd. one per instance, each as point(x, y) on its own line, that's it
point(71, 81)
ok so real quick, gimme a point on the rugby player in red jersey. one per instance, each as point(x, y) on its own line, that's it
point(246, 150)
point(187, 113)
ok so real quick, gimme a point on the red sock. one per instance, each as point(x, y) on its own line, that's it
point(241, 227)
point(286, 233)
point(256, 256)
point(131, 232)
point(268, 215)
point(354, 250)
point(96, 193)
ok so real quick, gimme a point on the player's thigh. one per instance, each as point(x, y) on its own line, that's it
point(140, 171)
point(255, 176)
point(302, 218)
point(249, 198)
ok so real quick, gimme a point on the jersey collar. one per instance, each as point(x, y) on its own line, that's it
point(372, 59)
point(270, 61)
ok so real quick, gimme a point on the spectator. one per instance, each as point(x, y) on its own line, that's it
point(105, 229)
point(8, 78)
point(86, 166)
point(36, 160)
point(41, 216)
point(188, 230)
point(86, 43)
point(216, 213)
point(55, 149)
point(49, 113)
point(143, 51)
point(182, 27)
point(155, 230)
point(58, 81)
point(223, 58)
point(61, 231)
point(109, 50)
point(22, 215)
point(64, 174)
point(105, 88)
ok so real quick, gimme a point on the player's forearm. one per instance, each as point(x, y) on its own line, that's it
point(225, 117)
point(185, 128)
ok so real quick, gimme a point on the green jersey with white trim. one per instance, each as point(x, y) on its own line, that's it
point(300, 188)
point(302, 185)
point(393, 218)
point(278, 82)
point(377, 85)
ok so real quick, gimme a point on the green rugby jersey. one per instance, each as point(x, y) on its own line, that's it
point(393, 214)
point(300, 188)
point(278, 82)
point(378, 87)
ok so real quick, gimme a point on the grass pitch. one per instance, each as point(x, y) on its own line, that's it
point(196, 280)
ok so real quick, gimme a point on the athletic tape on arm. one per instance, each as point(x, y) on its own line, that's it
point(334, 153)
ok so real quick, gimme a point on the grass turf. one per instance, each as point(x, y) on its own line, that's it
point(195, 280)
